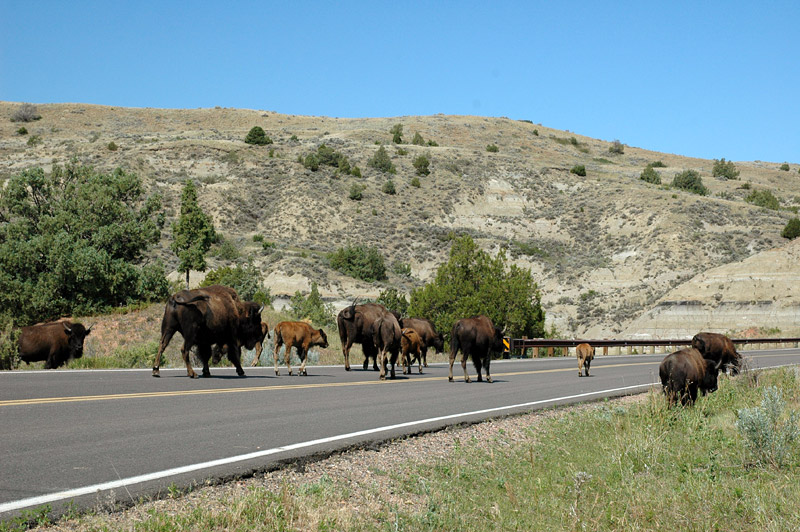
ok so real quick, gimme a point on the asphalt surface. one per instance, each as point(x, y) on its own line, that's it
point(93, 436)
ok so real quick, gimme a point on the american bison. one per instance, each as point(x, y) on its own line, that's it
point(476, 337)
point(720, 349)
point(386, 339)
point(207, 316)
point(356, 326)
point(428, 334)
point(257, 343)
point(585, 354)
point(300, 335)
point(410, 344)
point(685, 372)
point(55, 342)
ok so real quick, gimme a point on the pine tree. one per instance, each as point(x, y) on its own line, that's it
point(193, 233)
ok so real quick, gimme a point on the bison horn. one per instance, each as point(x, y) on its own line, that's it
point(67, 328)
point(718, 364)
point(260, 309)
point(90, 328)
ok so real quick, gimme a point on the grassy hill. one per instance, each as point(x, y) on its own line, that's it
point(607, 248)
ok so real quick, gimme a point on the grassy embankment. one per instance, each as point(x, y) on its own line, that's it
point(610, 466)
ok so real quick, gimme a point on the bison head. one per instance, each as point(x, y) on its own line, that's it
point(76, 334)
point(438, 343)
point(497, 342)
point(709, 383)
point(324, 338)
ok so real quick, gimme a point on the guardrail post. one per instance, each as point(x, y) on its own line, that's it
point(535, 352)
point(605, 350)
point(524, 349)
point(630, 349)
point(549, 351)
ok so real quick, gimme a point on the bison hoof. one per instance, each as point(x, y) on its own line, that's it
point(366, 365)
point(450, 379)
point(239, 373)
point(156, 373)
point(347, 368)
point(277, 373)
point(304, 373)
point(468, 380)
point(489, 379)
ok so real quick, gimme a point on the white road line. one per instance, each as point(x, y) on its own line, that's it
point(87, 490)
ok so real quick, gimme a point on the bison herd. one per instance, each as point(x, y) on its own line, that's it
point(217, 322)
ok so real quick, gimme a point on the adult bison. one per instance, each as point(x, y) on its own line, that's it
point(55, 342)
point(207, 316)
point(476, 337)
point(357, 326)
point(300, 335)
point(720, 349)
point(427, 332)
point(685, 372)
point(257, 343)
point(585, 354)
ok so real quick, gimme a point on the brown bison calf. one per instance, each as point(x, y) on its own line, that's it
point(297, 334)
point(685, 372)
point(411, 346)
point(585, 354)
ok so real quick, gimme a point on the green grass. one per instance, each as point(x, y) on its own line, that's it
point(610, 466)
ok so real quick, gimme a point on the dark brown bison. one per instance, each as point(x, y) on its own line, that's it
point(585, 354)
point(207, 316)
point(300, 335)
point(56, 342)
point(476, 337)
point(428, 334)
point(685, 372)
point(356, 326)
point(258, 343)
point(720, 349)
point(410, 344)
point(386, 339)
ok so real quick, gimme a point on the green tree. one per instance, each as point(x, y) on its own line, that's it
point(245, 279)
point(9, 349)
point(312, 307)
point(361, 262)
point(473, 282)
point(257, 136)
point(725, 169)
point(397, 133)
point(691, 181)
point(381, 161)
point(192, 234)
point(422, 164)
point(72, 242)
point(418, 140)
point(764, 198)
point(792, 229)
point(650, 175)
point(392, 299)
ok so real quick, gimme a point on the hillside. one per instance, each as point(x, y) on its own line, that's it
point(610, 251)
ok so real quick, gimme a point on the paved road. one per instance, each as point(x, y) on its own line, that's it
point(81, 435)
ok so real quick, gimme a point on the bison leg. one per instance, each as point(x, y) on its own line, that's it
point(464, 367)
point(424, 357)
point(452, 359)
point(580, 367)
point(346, 352)
point(486, 363)
point(185, 352)
point(287, 356)
point(381, 358)
point(204, 353)
point(256, 360)
point(587, 363)
point(302, 352)
point(420, 362)
point(235, 356)
point(166, 336)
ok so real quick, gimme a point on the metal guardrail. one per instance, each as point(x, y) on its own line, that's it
point(517, 344)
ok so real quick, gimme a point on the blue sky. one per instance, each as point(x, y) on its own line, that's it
point(703, 79)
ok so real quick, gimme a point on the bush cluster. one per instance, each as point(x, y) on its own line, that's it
point(26, 113)
point(312, 307)
point(617, 148)
point(72, 242)
point(492, 148)
point(691, 181)
point(578, 169)
point(792, 229)
point(397, 133)
point(785, 167)
point(422, 164)
point(245, 279)
point(764, 198)
point(389, 188)
point(725, 169)
point(767, 432)
point(393, 300)
point(382, 162)
point(357, 191)
point(361, 262)
point(650, 175)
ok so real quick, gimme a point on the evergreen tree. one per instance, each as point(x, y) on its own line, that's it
point(193, 233)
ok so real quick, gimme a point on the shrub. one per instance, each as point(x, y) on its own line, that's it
point(224, 249)
point(578, 169)
point(381, 161)
point(112, 146)
point(22, 131)
point(536, 132)
point(356, 191)
point(785, 167)
point(312, 307)
point(397, 133)
point(355, 171)
point(432, 143)
point(401, 151)
point(393, 300)
point(311, 162)
point(492, 148)
point(422, 165)
point(34, 140)
point(764, 198)
point(403, 269)
point(617, 147)
point(657, 164)
point(9, 350)
point(472, 282)
point(71, 242)
point(573, 141)
point(691, 181)
point(257, 136)
point(361, 262)
point(725, 169)
point(245, 279)
point(26, 113)
point(415, 182)
point(293, 138)
point(767, 433)
point(388, 188)
point(650, 175)
point(418, 140)
point(792, 229)
point(258, 238)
